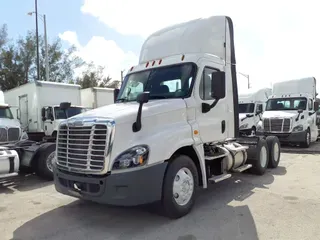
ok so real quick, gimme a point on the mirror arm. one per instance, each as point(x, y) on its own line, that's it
point(298, 117)
point(136, 126)
point(207, 107)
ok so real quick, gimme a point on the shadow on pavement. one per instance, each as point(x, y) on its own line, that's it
point(211, 218)
point(314, 148)
point(22, 182)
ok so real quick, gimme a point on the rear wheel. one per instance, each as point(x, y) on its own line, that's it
point(259, 157)
point(179, 187)
point(45, 160)
point(274, 151)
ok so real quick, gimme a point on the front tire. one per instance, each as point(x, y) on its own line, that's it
point(307, 140)
point(179, 187)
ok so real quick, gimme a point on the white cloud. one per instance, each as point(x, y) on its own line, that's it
point(275, 40)
point(102, 52)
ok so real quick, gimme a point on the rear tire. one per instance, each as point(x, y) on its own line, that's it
point(179, 187)
point(259, 157)
point(44, 161)
point(274, 151)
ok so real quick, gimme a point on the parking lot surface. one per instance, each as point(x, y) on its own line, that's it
point(282, 204)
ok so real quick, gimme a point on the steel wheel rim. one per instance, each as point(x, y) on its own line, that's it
point(49, 161)
point(183, 186)
point(263, 156)
point(276, 151)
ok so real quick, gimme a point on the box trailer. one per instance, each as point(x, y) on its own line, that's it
point(96, 97)
point(38, 106)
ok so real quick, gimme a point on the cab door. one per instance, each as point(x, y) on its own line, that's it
point(213, 124)
point(312, 120)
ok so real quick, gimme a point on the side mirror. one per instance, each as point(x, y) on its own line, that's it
point(316, 106)
point(143, 97)
point(51, 117)
point(65, 105)
point(115, 94)
point(218, 85)
point(300, 111)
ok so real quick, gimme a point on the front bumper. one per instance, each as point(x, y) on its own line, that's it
point(296, 137)
point(121, 189)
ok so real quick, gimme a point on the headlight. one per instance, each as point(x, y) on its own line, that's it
point(134, 157)
point(243, 126)
point(298, 128)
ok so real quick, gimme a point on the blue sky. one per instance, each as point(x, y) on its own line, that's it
point(275, 40)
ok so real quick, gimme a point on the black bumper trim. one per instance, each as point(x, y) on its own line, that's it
point(296, 137)
point(121, 189)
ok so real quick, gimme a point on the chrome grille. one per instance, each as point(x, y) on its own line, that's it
point(82, 148)
point(9, 135)
point(3, 135)
point(276, 124)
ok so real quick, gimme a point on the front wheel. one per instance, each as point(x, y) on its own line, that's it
point(307, 139)
point(179, 187)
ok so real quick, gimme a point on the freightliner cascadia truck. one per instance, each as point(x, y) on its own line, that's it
point(174, 127)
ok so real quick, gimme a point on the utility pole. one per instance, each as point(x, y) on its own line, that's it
point(37, 37)
point(46, 46)
point(122, 75)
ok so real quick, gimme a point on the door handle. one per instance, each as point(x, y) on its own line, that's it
point(223, 126)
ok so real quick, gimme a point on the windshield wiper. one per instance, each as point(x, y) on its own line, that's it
point(122, 100)
point(157, 97)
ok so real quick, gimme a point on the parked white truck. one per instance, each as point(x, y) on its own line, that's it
point(10, 131)
point(291, 112)
point(251, 106)
point(38, 106)
point(96, 97)
point(174, 126)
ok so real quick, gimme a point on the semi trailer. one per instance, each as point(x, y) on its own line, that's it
point(174, 127)
point(251, 108)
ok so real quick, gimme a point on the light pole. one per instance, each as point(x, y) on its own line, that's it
point(247, 76)
point(43, 18)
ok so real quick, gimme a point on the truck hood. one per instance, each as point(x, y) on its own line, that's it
point(125, 112)
point(5, 122)
point(280, 114)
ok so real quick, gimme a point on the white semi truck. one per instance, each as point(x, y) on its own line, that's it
point(96, 97)
point(290, 113)
point(174, 126)
point(251, 107)
point(38, 106)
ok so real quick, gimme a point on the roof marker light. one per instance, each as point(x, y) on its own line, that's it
point(182, 58)
point(153, 63)
point(131, 68)
point(147, 64)
point(160, 61)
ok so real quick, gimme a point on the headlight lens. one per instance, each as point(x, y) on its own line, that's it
point(134, 157)
point(298, 128)
point(243, 126)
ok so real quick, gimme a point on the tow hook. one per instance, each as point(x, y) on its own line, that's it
point(77, 186)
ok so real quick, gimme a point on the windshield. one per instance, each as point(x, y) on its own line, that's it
point(72, 111)
point(246, 108)
point(286, 104)
point(5, 112)
point(165, 82)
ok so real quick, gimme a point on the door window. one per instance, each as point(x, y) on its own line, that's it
point(205, 84)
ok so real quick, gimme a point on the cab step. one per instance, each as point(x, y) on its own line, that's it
point(242, 168)
point(215, 156)
point(219, 178)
